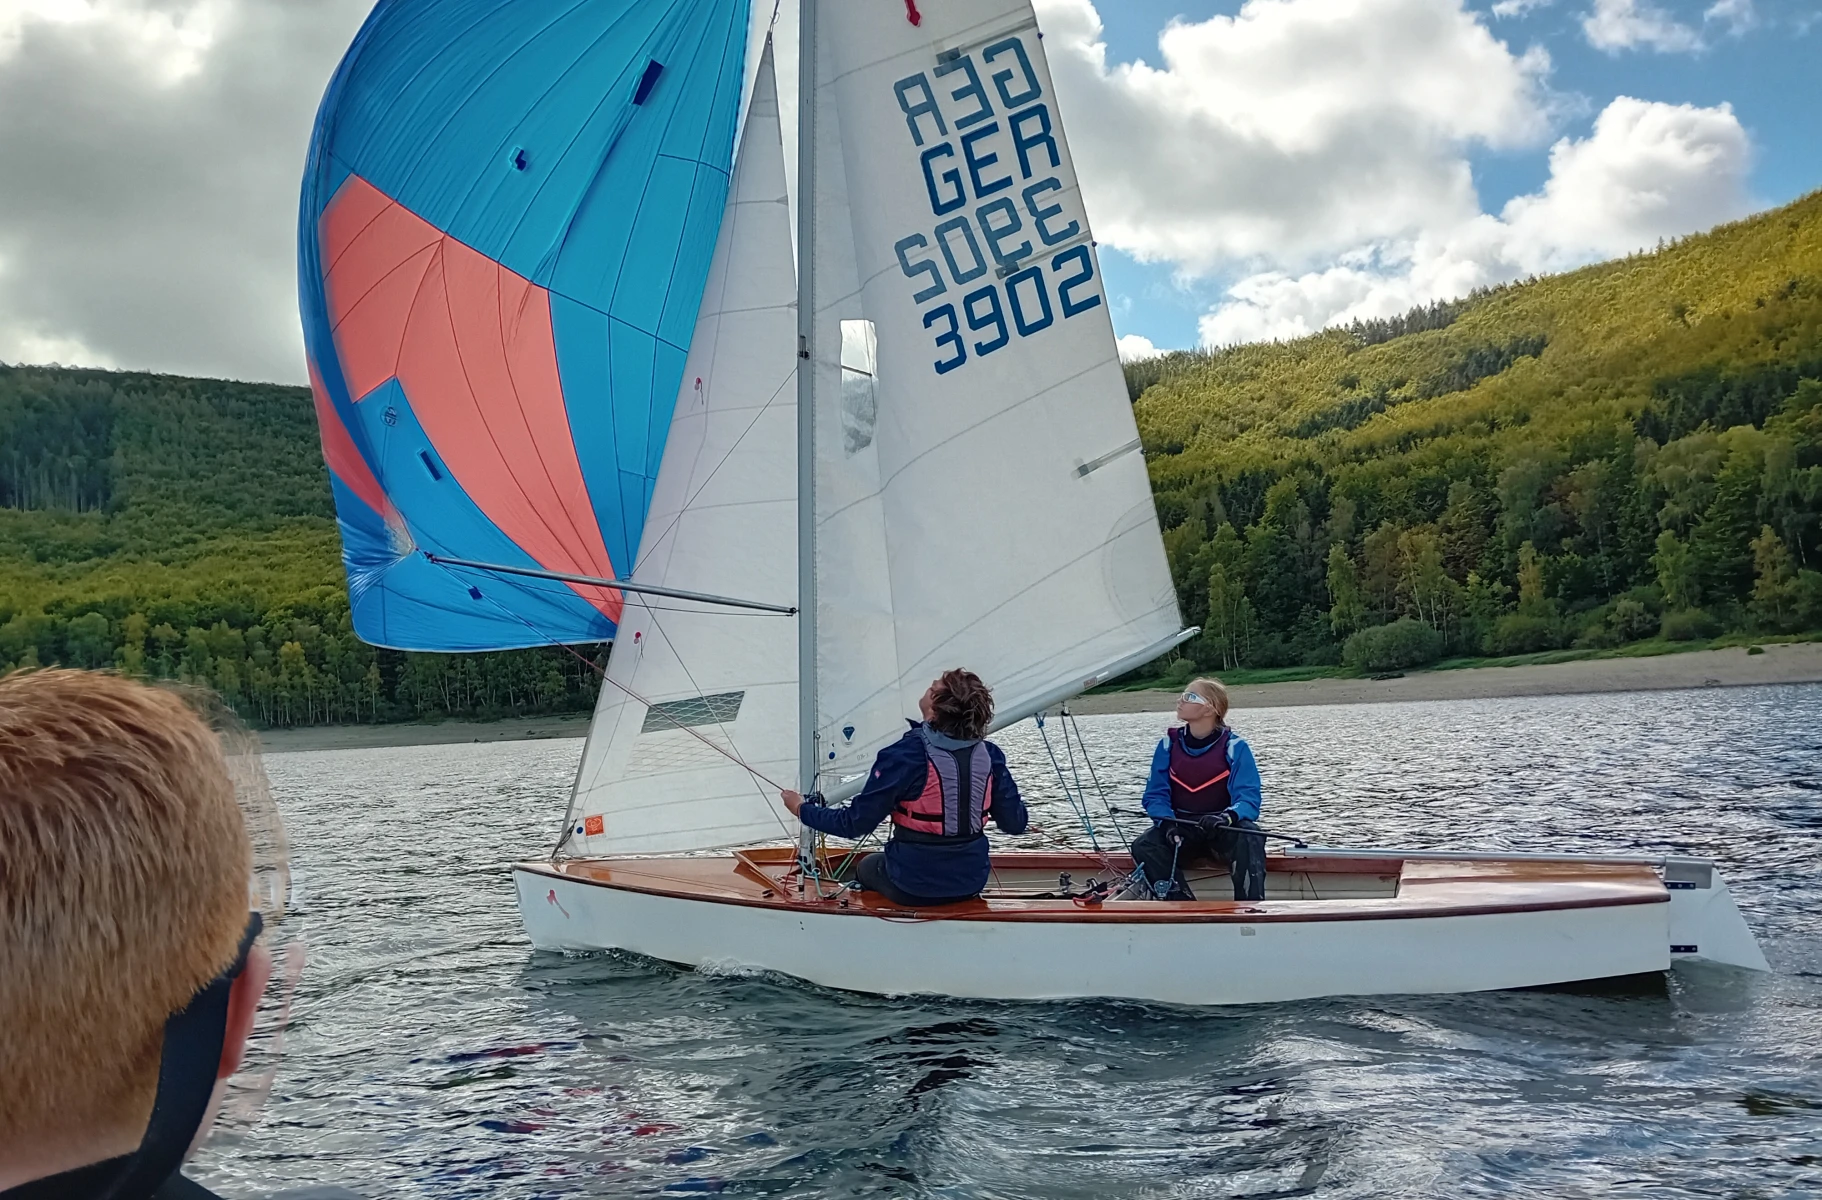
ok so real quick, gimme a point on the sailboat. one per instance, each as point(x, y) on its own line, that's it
point(589, 367)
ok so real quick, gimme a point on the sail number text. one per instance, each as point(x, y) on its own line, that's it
point(988, 172)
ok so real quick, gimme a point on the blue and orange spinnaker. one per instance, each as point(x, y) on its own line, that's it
point(507, 220)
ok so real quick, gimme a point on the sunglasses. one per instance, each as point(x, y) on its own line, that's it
point(1192, 698)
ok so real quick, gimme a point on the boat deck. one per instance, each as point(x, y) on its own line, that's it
point(1297, 889)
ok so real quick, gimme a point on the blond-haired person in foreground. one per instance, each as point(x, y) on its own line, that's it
point(129, 973)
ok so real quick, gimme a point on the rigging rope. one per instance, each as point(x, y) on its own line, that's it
point(1069, 723)
point(684, 509)
point(650, 706)
point(1079, 804)
point(1074, 770)
point(1080, 808)
point(1078, 800)
point(719, 725)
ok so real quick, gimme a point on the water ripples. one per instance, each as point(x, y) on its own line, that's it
point(433, 1054)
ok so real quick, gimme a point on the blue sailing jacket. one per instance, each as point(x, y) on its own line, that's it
point(1242, 785)
point(933, 870)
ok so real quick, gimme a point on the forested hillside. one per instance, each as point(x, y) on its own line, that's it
point(182, 528)
point(1627, 452)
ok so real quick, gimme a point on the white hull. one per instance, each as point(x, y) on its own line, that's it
point(1209, 961)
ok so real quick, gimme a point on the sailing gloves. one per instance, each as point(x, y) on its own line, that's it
point(1215, 822)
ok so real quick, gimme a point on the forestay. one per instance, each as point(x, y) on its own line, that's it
point(987, 505)
point(721, 685)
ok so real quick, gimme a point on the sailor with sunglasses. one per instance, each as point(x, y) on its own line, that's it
point(1203, 796)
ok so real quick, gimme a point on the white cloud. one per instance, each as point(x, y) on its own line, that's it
point(1274, 305)
point(1518, 8)
point(1316, 152)
point(37, 345)
point(149, 203)
point(1294, 129)
point(1646, 171)
point(165, 42)
point(1134, 347)
point(1616, 25)
point(1738, 15)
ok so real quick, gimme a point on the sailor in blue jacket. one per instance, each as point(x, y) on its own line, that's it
point(939, 784)
point(1203, 796)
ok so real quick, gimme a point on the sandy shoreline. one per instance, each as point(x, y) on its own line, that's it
point(1799, 662)
point(442, 733)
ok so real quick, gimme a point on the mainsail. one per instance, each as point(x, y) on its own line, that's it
point(991, 510)
point(506, 223)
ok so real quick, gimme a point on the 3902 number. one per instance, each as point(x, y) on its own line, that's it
point(1025, 300)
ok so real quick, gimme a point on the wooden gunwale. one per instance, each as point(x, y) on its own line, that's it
point(1429, 889)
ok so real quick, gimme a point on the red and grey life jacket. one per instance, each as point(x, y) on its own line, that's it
point(958, 791)
point(1198, 782)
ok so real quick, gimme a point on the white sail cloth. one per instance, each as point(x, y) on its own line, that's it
point(980, 498)
point(691, 689)
point(996, 515)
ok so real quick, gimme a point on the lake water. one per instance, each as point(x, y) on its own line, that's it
point(434, 1054)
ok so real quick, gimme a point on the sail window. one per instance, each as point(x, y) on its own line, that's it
point(648, 81)
point(716, 709)
point(859, 385)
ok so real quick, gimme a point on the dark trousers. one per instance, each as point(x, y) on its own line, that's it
point(1161, 857)
point(870, 873)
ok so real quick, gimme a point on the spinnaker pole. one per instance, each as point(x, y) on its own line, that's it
point(806, 415)
point(618, 585)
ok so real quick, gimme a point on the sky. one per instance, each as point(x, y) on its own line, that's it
point(1252, 170)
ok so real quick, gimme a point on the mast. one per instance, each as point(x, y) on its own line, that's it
point(806, 406)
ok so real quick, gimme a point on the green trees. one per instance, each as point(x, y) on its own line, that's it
point(298, 665)
point(182, 529)
point(1393, 647)
point(1424, 587)
point(1720, 543)
point(1774, 586)
point(1676, 572)
point(1347, 604)
point(1538, 466)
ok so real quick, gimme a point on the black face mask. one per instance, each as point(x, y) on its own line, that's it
point(187, 1070)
